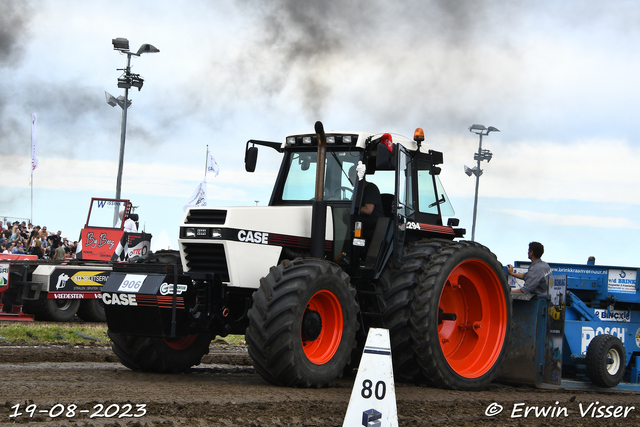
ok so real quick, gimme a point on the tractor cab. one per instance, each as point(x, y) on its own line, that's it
point(404, 171)
point(105, 237)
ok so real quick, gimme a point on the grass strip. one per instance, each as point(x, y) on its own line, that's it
point(44, 332)
point(70, 332)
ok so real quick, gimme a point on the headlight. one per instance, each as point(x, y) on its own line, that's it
point(195, 232)
point(216, 233)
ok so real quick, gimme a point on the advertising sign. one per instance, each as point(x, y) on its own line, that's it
point(622, 280)
point(78, 280)
point(4, 276)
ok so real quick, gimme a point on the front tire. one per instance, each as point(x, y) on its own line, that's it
point(461, 314)
point(163, 355)
point(302, 324)
point(605, 360)
point(396, 288)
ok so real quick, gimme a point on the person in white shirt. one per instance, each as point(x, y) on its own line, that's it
point(129, 224)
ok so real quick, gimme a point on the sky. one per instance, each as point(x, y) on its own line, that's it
point(558, 79)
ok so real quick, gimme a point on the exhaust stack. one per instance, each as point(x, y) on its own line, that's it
point(319, 210)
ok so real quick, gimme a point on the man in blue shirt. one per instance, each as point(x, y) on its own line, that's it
point(536, 279)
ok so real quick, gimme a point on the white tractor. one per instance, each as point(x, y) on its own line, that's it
point(307, 276)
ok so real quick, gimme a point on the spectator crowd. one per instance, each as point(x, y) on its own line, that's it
point(23, 238)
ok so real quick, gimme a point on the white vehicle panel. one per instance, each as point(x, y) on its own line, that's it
point(250, 253)
point(249, 263)
point(287, 220)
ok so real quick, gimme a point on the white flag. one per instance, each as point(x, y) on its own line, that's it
point(34, 161)
point(199, 196)
point(212, 165)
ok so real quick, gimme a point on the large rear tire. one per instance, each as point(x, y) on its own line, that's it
point(302, 324)
point(151, 354)
point(396, 288)
point(461, 314)
point(92, 310)
point(605, 360)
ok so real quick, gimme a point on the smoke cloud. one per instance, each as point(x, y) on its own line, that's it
point(13, 36)
point(409, 55)
point(13, 30)
point(376, 63)
point(428, 62)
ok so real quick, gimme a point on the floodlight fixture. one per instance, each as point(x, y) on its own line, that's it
point(477, 128)
point(120, 43)
point(472, 171)
point(482, 129)
point(124, 82)
point(137, 81)
point(481, 155)
point(147, 48)
point(113, 101)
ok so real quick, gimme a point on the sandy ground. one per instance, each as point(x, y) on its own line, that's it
point(66, 385)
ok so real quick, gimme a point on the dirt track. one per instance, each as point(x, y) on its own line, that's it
point(225, 391)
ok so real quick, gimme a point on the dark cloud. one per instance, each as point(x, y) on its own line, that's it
point(421, 61)
point(72, 112)
point(14, 19)
point(307, 49)
point(436, 61)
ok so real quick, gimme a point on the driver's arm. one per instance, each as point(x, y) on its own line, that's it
point(367, 209)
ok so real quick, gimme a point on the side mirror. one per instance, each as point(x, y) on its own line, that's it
point(250, 159)
point(384, 158)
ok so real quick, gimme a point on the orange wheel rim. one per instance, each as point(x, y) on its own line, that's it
point(322, 348)
point(180, 343)
point(472, 342)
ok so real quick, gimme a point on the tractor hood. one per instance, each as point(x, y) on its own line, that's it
point(241, 244)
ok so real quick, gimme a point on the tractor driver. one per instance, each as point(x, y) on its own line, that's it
point(129, 224)
point(371, 208)
point(536, 279)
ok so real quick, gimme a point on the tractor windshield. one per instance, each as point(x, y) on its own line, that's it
point(301, 177)
point(300, 183)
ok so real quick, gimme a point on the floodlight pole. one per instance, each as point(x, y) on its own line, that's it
point(475, 200)
point(479, 156)
point(123, 129)
point(126, 81)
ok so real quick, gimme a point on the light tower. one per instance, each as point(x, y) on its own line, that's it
point(479, 156)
